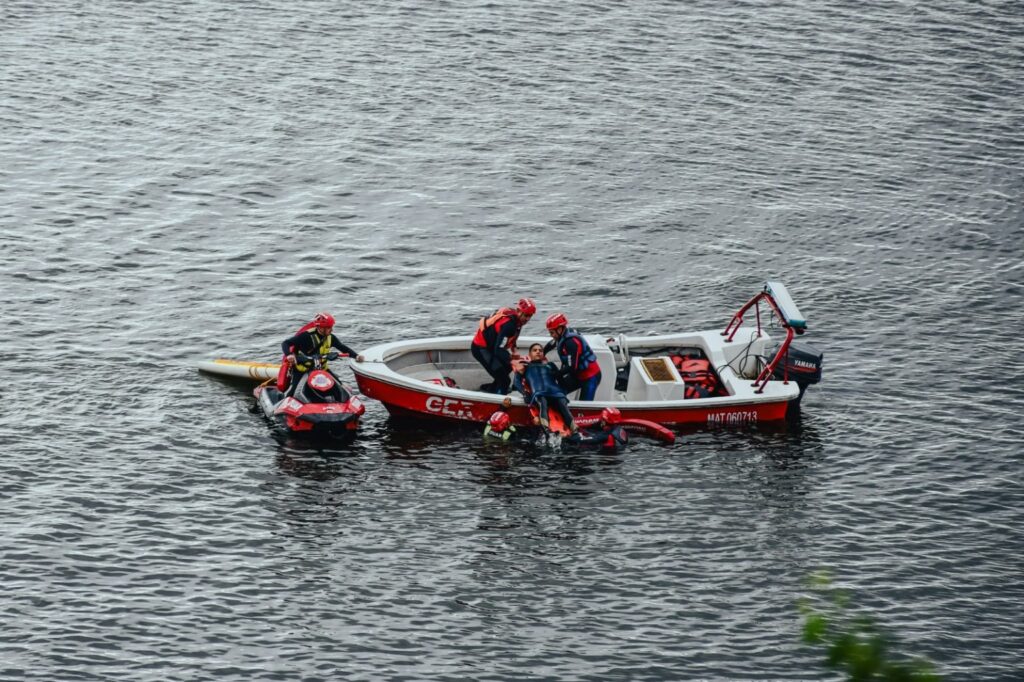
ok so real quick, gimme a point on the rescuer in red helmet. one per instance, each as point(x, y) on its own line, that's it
point(499, 427)
point(606, 434)
point(579, 363)
point(314, 338)
point(495, 343)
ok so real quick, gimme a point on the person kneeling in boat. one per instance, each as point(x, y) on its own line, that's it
point(313, 339)
point(537, 381)
point(579, 363)
point(606, 433)
point(495, 343)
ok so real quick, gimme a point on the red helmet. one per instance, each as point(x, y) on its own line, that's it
point(527, 307)
point(611, 415)
point(499, 421)
point(557, 320)
point(323, 320)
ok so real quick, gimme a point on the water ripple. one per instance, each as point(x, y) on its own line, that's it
point(181, 180)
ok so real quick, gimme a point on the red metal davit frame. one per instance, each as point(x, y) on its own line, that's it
point(777, 297)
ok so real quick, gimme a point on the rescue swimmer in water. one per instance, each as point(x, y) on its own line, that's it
point(315, 338)
point(500, 427)
point(494, 344)
point(607, 433)
point(610, 431)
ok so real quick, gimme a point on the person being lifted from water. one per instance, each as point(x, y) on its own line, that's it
point(313, 339)
point(495, 343)
point(579, 363)
point(536, 380)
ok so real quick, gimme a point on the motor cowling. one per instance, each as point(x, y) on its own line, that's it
point(801, 363)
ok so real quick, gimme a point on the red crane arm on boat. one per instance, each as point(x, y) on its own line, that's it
point(779, 300)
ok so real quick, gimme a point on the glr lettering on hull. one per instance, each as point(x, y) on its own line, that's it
point(450, 407)
point(742, 417)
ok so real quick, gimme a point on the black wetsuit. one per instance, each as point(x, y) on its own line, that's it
point(538, 384)
point(309, 344)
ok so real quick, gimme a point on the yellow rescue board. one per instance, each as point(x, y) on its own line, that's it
point(257, 371)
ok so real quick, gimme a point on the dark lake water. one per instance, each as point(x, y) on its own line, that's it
point(180, 180)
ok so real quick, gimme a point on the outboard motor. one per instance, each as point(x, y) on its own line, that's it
point(802, 364)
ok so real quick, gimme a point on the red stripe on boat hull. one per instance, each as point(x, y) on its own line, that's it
point(400, 400)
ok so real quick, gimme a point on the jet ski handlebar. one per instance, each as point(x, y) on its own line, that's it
point(317, 359)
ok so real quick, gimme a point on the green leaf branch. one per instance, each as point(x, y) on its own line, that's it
point(853, 642)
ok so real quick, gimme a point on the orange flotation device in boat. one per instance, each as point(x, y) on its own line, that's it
point(696, 372)
point(692, 391)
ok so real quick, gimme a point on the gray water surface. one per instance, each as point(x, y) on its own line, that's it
point(180, 180)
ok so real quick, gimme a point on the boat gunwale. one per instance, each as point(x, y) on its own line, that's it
point(379, 355)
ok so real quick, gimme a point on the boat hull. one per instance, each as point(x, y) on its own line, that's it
point(407, 400)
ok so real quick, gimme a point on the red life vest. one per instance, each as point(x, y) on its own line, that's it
point(694, 391)
point(586, 366)
point(489, 322)
point(698, 372)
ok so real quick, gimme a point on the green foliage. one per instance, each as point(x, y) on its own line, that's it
point(852, 642)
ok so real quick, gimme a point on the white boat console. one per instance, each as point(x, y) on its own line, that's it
point(654, 378)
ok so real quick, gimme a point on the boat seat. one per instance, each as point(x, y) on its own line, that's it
point(431, 375)
point(337, 395)
point(654, 378)
point(606, 361)
point(425, 373)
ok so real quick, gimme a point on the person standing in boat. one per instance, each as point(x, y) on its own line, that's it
point(313, 339)
point(579, 363)
point(537, 381)
point(495, 343)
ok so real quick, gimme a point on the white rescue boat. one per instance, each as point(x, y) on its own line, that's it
point(737, 376)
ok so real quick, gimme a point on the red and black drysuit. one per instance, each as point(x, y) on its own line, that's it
point(606, 437)
point(309, 343)
point(495, 335)
point(579, 364)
